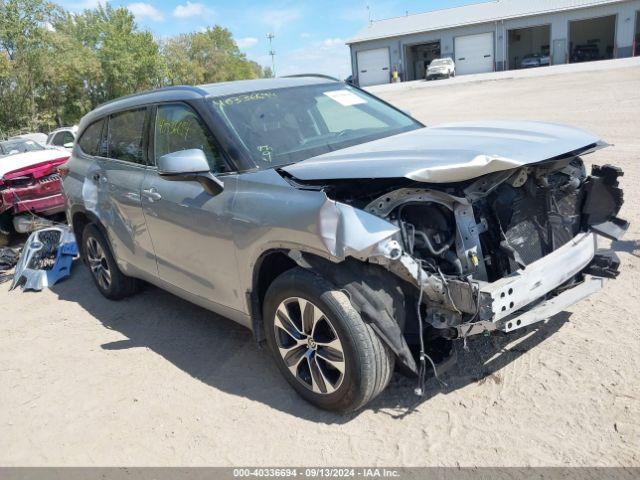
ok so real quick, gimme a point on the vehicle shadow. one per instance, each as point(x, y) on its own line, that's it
point(224, 355)
point(480, 362)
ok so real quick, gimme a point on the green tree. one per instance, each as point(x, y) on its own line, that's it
point(55, 66)
point(129, 59)
point(267, 72)
point(71, 72)
point(206, 57)
point(24, 37)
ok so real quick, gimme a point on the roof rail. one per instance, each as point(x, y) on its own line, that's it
point(318, 75)
point(192, 88)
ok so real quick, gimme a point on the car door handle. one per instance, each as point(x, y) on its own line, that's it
point(152, 194)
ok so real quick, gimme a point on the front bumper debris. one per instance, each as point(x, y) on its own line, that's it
point(510, 294)
point(46, 258)
point(526, 296)
point(506, 304)
point(551, 307)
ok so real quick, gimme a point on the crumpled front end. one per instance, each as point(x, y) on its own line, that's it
point(496, 252)
point(509, 249)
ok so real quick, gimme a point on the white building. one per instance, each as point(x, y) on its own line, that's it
point(496, 35)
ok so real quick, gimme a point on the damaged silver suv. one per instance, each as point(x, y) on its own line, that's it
point(346, 234)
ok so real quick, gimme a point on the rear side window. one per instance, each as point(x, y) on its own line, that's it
point(125, 138)
point(90, 140)
point(178, 127)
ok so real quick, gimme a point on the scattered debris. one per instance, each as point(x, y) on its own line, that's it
point(8, 259)
point(46, 258)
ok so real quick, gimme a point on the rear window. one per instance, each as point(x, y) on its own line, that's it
point(126, 136)
point(19, 146)
point(90, 141)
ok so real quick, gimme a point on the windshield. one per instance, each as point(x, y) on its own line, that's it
point(438, 62)
point(283, 126)
point(11, 147)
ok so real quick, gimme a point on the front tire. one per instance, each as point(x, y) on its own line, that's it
point(106, 274)
point(321, 345)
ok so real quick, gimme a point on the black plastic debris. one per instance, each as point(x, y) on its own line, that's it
point(8, 258)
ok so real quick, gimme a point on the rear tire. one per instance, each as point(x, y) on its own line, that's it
point(96, 254)
point(366, 362)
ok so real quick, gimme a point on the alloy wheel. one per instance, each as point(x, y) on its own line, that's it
point(309, 345)
point(98, 263)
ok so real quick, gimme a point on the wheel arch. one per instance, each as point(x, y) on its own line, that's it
point(269, 266)
point(80, 218)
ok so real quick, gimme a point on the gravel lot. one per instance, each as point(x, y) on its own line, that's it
point(153, 380)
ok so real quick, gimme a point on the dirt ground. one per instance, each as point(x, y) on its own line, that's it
point(153, 380)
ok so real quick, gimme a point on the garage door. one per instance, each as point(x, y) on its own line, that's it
point(474, 53)
point(373, 67)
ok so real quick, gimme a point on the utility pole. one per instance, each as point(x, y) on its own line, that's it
point(272, 52)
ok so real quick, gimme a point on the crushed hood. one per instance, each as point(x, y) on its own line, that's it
point(448, 153)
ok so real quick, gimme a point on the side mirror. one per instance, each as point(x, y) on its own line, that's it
point(68, 145)
point(191, 166)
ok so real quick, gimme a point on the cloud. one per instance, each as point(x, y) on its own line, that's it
point(278, 18)
point(189, 10)
point(246, 42)
point(330, 42)
point(329, 57)
point(143, 11)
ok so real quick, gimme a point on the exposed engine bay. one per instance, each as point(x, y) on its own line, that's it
point(500, 251)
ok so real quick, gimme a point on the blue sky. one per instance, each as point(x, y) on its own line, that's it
point(309, 35)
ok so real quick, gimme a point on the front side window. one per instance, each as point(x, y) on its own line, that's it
point(283, 126)
point(125, 136)
point(178, 127)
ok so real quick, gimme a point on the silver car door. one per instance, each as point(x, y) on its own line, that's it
point(119, 181)
point(191, 229)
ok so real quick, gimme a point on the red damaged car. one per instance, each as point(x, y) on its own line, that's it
point(29, 184)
